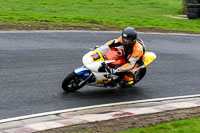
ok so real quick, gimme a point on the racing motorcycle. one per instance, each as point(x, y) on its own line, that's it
point(97, 70)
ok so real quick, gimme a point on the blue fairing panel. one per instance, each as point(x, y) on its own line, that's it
point(83, 71)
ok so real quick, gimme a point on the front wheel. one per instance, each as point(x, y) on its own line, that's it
point(73, 82)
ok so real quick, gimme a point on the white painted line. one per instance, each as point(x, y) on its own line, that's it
point(95, 106)
point(85, 31)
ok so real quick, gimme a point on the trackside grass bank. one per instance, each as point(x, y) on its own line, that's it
point(94, 14)
point(174, 121)
point(191, 125)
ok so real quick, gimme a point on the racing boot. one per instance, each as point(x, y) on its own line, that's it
point(123, 83)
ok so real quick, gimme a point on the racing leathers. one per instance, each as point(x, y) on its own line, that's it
point(134, 55)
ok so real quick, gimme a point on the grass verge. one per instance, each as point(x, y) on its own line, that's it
point(95, 14)
point(191, 125)
point(174, 121)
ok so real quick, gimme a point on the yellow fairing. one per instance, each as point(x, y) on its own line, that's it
point(149, 57)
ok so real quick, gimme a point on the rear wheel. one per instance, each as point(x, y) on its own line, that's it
point(192, 15)
point(140, 74)
point(193, 11)
point(72, 82)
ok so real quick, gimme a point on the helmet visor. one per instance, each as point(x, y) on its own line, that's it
point(127, 41)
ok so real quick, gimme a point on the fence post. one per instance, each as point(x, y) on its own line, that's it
point(184, 6)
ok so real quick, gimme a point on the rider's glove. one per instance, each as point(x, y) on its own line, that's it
point(115, 71)
point(102, 49)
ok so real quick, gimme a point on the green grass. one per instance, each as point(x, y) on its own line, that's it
point(191, 125)
point(96, 13)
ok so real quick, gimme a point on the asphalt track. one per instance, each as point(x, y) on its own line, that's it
point(33, 65)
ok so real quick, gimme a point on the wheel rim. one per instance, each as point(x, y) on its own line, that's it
point(74, 83)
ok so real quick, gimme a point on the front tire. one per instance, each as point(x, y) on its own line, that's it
point(72, 82)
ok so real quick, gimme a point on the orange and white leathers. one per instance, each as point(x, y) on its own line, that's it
point(134, 56)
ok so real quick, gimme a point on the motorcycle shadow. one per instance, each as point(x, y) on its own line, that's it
point(87, 91)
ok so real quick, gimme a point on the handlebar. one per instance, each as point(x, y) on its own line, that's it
point(106, 67)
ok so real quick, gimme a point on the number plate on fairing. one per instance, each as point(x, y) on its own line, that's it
point(96, 56)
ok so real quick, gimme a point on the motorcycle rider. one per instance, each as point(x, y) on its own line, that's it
point(133, 48)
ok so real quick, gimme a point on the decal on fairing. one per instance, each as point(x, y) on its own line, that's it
point(83, 71)
point(96, 56)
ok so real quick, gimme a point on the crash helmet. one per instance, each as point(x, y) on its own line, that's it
point(129, 36)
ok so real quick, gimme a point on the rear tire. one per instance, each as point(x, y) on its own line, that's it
point(192, 15)
point(193, 11)
point(71, 82)
point(140, 74)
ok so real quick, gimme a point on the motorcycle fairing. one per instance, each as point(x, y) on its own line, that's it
point(97, 56)
point(117, 55)
point(92, 60)
point(149, 57)
point(85, 72)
